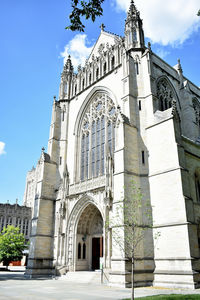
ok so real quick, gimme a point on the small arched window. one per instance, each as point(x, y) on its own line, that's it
point(83, 83)
point(97, 73)
point(104, 68)
point(8, 221)
point(136, 67)
point(97, 136)
point(1, 223)
point(164, 94)
point(112, 62)
point(79, 250)
point(197, 186)
point(134, 35)
point(84, 251)
point(19, 223)
point(25, 225)
point(75, 90)
point(90, 78)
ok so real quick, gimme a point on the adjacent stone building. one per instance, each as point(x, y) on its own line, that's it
point(126, 115)
point(16, 215)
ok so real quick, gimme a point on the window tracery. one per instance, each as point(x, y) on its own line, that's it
point(196, 106)
point(97, 136)
point(164, 94)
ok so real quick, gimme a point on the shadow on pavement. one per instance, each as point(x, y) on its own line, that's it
point(18, 275)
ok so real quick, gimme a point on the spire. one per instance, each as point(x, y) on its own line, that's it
point(179, 67)
point(66, 77)
point(68, 67)
point(133, 13)
point(180, 72)
point(134, 35)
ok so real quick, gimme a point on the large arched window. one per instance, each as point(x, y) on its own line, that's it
point(97, 136)
point(164, 94)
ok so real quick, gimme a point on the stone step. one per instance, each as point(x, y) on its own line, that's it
point(82, 276)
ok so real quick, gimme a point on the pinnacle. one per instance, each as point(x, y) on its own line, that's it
point(132, 12)
point(68, 64)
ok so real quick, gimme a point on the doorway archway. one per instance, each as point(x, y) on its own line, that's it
point(89, 239)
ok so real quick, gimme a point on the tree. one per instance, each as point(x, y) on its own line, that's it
point(12, 244)
point(89, 9)
point(132, 223)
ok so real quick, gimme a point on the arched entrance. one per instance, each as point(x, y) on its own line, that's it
point(89, 239)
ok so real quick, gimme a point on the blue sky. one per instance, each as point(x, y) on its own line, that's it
point(34, 43)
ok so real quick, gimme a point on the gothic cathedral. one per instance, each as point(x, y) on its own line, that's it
point(126, 116)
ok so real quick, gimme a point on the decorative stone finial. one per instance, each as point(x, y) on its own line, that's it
point(180, 72)
point(54, 98)
point(43, 149)
point(102, 27)
point(179, 66)
point(149, 46)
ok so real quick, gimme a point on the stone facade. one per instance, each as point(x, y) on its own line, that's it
point(16, 215)
point(126, 115)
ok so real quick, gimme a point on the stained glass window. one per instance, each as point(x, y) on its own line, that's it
point(98, 135)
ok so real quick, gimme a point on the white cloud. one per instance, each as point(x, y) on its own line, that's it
point(166, 22)
point(161, 52)
point(2, 146)
point(78, 49)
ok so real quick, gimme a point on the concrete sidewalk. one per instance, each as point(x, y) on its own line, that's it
point(13, 286)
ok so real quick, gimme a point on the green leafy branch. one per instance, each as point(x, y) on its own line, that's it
point(88, 9)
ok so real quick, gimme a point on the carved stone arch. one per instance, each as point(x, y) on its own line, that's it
point(166, 90)
point(71, 229)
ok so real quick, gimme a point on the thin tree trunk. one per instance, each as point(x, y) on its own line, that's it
point(132, 281)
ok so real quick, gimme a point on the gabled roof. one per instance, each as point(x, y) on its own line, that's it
point(103, 39)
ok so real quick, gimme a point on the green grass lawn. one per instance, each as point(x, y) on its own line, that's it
point(170, 297)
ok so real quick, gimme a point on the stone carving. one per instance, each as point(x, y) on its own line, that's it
point(97, 227)
point(87, 185)
point(101, 48)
